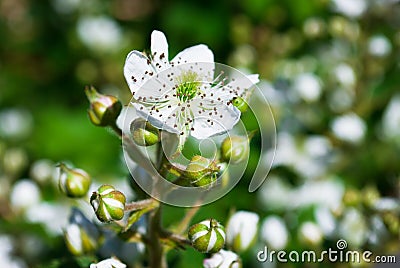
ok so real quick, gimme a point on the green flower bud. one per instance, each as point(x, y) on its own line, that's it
point(73, 182)
point(235, 149)
point(240, 103)
point(207, 236)
point(104, 109)
point(108, 203)
point(144, 134)
point(201, 171)
point(78, 241)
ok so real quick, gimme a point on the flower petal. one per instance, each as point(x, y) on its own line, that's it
point(211, 119)
point(137, 70)
point(197, 54)
point(161, 118)
point(240, 86)
point(159, 50)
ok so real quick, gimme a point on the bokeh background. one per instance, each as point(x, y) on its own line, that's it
point(329, 68)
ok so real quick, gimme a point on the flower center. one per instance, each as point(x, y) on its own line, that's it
point(188, 86)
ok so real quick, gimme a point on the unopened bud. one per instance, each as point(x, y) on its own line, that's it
point(201, 171)
point(104, 109)
point(235, 149)
point(144, 133)
point(78, 241)
point(223, 259)
point(108, 203)
point(241, 230)
point(73, 182)
point(240, 103)
point(207, 236)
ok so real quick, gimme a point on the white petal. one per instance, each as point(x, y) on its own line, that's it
point(240, 86)
point(197, 54)
point(159, 50)
point(154, 118)
point(209, 121)
point(137, 70)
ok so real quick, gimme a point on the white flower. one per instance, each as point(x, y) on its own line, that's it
point(241, 230)
point(182, 96)
point(308, 86)
point(99, 33)
point(223, 259)
point(345, 75)
point(391, 118)
point(108, 263)
point(325, 220)
point(353, 227)
point(25, 194)
point(350, 8)
point(310, 234)
point(379, 46)
point(349, 127)
point(274, 232)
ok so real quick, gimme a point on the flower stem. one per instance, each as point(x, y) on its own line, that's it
point(157, 257)
point(141, 204)
point(184, 224)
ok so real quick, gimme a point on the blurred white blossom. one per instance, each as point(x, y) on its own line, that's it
point(350, 8)
point(52, 216)
point(274, 232)
point(349, 127)
point(325, 220)
point(345, 75)
point(99, 33)
point(310, 234)
point(327, 193)
point(42, 170)
point(353, 227)
point(391, 118)
point(308, 86)
point(15, 123)
point(241, 230)
point(24, 194)
point(379, 46)
point(6, 254)
point(275, 193)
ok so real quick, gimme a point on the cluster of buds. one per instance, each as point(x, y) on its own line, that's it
point(108, 203)
point(207, 236)
point(73, 182)
point(201, 171)
point(104, 109)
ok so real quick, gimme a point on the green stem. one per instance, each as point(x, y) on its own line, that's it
point(117, 130)
point(141, 204)
point(157, 258)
